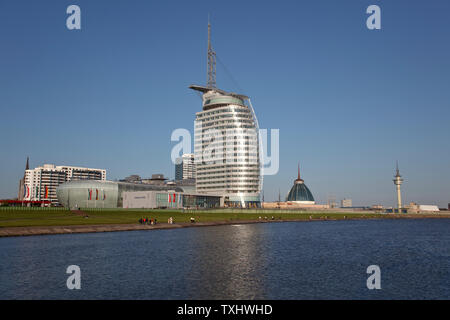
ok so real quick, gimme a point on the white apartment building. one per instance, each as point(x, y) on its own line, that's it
point(41, 182)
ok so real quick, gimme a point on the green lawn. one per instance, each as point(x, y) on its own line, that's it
point(19, 217)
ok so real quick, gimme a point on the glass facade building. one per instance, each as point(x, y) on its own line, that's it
point(185, 167)
point(300, 192)
point(200, 201)
point(101, 194)
point(226, 148)
point(169, 200)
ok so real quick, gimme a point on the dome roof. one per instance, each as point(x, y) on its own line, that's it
point(299, 191)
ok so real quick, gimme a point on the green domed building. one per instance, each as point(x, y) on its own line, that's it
point(299, 192)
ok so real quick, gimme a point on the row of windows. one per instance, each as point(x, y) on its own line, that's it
point(240, 117)
point(222, 110)
point(221, 181)
point(241, 166)
point(245, 115)
point(236, 130)
point(248, 189)
point(245, 161)
point(225, 136)
point(217, 161)
point(235, 133)
point(227, 171)
point(213, 146)
point(251, 177)
point(243, 141)
point(209, 125)
point(219, 145)
point(227, 157)
point(212, 154)
point(230, 181)
point(232, 127)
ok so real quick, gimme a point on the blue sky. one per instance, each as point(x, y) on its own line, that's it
point(348, 101)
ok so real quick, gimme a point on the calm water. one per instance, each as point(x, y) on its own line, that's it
point(309, 260)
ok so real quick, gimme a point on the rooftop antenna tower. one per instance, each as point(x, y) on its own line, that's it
point(211, 64)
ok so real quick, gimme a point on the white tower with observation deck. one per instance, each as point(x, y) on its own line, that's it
point(398, 182)
point(226, 143)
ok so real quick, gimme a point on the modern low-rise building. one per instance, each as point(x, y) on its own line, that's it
point(170, 200)
point(103, 194)
point(413, 207)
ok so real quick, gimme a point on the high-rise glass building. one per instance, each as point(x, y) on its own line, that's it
point(226, 144)
point(185, 167)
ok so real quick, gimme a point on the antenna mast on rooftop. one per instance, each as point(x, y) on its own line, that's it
point(211, 65)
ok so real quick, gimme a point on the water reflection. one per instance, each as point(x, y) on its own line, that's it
point(324, 260)
point(229, 264)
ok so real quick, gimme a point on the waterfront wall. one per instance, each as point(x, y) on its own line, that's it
point(222, 210)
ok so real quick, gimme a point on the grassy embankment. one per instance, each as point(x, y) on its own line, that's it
point(23, 217)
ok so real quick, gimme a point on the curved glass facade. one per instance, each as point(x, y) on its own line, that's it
point(300, 192)
point(226, 149)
